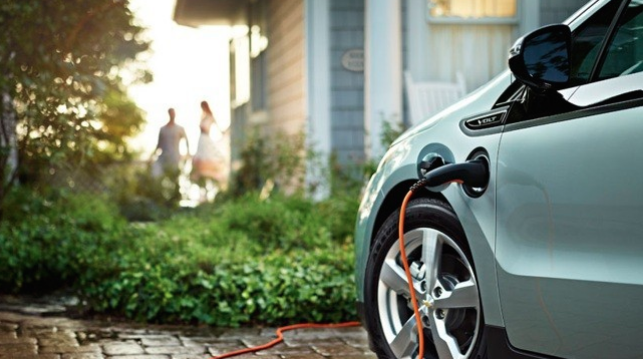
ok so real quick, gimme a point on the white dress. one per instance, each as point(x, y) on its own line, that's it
point(207, 162)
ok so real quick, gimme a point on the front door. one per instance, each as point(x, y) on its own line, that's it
point(470, 37)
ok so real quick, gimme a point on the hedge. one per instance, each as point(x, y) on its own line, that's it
point(240, 262)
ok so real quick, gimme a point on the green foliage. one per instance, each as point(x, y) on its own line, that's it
point(121, 119)
point(391, 131)
point(139, 195)
point(48, 238)
point(236, 262)
point(280, 159)
point(60, 66)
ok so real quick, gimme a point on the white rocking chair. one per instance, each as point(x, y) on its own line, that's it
point(430, 97)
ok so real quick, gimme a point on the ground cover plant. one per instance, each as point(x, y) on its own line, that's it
point(240, 262)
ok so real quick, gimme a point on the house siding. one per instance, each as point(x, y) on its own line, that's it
point(556, 11)
point(285, 68)
point(347, 87)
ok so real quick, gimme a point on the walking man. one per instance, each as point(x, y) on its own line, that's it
point(168, 162)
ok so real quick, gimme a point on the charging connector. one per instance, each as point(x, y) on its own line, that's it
point(473, 173)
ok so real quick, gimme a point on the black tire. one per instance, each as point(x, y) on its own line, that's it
point(388, 315)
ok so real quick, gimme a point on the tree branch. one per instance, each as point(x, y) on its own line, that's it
point(90, 15)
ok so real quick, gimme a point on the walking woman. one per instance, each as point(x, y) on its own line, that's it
point(207, 162)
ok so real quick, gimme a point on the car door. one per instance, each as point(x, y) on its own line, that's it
point(570, 211)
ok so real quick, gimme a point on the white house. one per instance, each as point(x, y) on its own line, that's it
point(335, 68)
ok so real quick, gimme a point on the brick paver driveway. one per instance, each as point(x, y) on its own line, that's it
point(31, 332)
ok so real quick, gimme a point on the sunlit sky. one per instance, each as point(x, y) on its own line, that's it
point(189, 65)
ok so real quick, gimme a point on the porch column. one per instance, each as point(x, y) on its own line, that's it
point(318, 102)
point(382, 70)
point(418, 59)
point(529, 15)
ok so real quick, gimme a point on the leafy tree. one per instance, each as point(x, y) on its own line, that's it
point(62, 82)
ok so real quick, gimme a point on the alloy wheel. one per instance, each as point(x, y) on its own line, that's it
point(447, 291)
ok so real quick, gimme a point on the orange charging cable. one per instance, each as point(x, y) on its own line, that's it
point(405, 262)
point(280, 337)
point(407, 270)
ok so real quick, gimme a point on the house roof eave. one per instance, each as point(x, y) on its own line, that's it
point(197, 13)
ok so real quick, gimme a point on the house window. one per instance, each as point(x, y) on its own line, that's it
point(258, 57)
point(472, 9)
point(258, 68)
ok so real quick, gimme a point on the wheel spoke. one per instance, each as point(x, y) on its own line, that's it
point(464, 295)
point(394, 277)
point(431, 252)
point(406, 340)
point(446, 345)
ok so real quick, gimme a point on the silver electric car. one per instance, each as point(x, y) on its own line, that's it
point(537, 250)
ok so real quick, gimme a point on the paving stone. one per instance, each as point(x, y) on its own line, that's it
point(12, 318)
point(189, 342)
point(160, 341)
point(32, 356)
point(240, 333)
point(8, 327)
point(297, 342)
point(308, 356)
point(123, 334)
point(71, 349)
point(7, 336)
point(333, 350)
point(57, 335)
point(122, 348)
point(357, 342)
point(16, 340)
point(311, 334)
point(96, 337)
point(270, 332)
point(282, 349)
point(11, 350)
point(192, 356)
point(82, 356)
point(62, 338)
point(175, 350)
point(224, 348)
point(140, 357)
point(200, 332)
point(39, 332)
point(57, 341)
point(145, 335)
point(256, 341)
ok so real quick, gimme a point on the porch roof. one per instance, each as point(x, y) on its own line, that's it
point(209, 12)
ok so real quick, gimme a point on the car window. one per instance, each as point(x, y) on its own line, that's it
point(587, 41)
point(625, 53)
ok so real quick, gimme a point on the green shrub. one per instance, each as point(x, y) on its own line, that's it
point(239, 262)
point(46, 238)
point(139, 195)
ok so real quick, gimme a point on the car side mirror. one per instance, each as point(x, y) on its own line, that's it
point(540, 60)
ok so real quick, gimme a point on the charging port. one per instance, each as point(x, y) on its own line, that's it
point(481, 156)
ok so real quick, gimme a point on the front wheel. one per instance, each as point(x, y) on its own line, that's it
point(443, 279)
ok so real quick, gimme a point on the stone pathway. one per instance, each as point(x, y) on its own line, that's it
point(33, 332)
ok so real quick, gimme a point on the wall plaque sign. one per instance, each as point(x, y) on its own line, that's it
point(353, 60)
